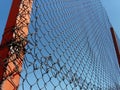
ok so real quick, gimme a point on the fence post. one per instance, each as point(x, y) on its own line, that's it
point(115, 44)
point(12, 42)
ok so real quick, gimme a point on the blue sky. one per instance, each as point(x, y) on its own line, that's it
point(4, 10)
point(112, 7)
point(113, 10)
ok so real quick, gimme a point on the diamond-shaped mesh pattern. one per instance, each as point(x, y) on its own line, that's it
point(69, 47)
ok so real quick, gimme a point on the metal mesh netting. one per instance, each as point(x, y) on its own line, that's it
point(69, 47)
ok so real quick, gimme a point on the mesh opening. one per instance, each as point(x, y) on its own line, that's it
point(69, 47)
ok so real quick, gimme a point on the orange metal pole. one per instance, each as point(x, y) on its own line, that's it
point(16, 29)
point(115, 44)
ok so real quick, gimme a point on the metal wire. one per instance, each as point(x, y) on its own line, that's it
point(69, 47)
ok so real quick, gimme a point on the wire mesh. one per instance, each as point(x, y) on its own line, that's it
point(69, 47)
